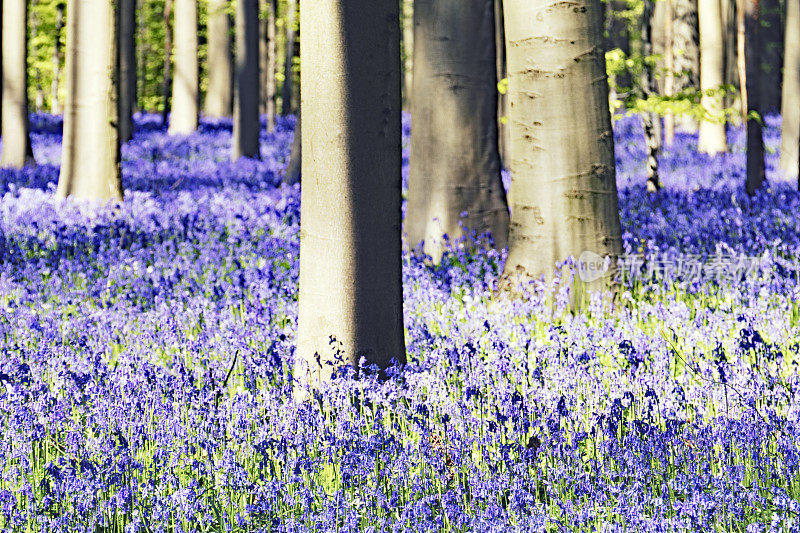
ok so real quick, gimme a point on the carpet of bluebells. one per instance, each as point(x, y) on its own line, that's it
point(146, 363)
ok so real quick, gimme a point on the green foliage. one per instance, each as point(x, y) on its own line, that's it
point(633, 99)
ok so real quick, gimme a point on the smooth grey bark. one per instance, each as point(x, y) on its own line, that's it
point(166, 87)
point(771, 60)
point(55, 105)
point(246, 124)
point(127, 68)
point(288, 75)
point(790, 109)
point(712, 139)
point(15, 127)
point(294, 166)
point(219, 98)
point(90, 161)
point(686, 52)
point(408, 52)
point(564, 199)
point(267, 44)
point(504, 137)
point(648, 87)
point(350, 250)
point(185, 83)
point(749, 53)
point(455, 187)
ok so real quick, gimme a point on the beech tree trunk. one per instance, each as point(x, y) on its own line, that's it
point(503, 136)
point(246, 124)
point(166, 88)
point(127, 68)
point(55, 104)
point(790, 109)
point(408, 51)
point(185, 85)
point(686, 53)
point(350, 251)
point(712, 139)
point(15, 127)
point(288, 75)
point(749, 52)
point(771, 60)
point(218, 102)
point(454, 186)
point(564, 199)
point(294, 166)
point(650, 121)
point(669, 67)
point(90, 161)
point(267, 45)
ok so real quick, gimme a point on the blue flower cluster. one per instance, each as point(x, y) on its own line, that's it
point(146, 364)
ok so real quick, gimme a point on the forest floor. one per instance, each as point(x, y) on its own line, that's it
point(146, 356)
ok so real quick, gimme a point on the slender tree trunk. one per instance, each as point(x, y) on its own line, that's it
point(565, 193)
point(712, 138)
point(350, 251)
point(127, 68)
point(790, 128)
point(408, 52)
point(55, 105)
point(246, 124)
point(652, 133)
point(166, 88)
point(218, 102)
point(686, 54)
point(288, 90)
point(730, 53)
point(15, 127)
point(669, 67)
point(38, 103)
point(294, 167)
point(270, 64)
point(185, 86)
point(504, 137)
point(749, 72)
point(90, 164)
point(454, 186)
point(771, 45)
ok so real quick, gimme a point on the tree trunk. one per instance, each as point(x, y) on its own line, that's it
point(749, 79)
point(38, 101)
point(564, 198)
point(288, 75)
point(454, 186)
point(246, 124)
point(650, 121)
point(166, 88)
point(504, 138)
point(350, 252)
point(90, 162)
point(15, 127)
point(218, 102)
point(771, 46)
point(127, 68)
point(712, 138)
point(790, 129)
point(669, 67)
point(294, 166)
point(185, 88)
point(408, 52)
point(268, 63)
point(55, 105)
point(686, 54)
